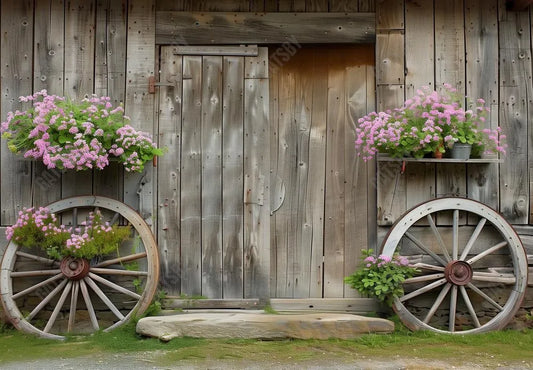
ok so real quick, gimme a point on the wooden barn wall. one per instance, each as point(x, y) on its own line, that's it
point(484, 51)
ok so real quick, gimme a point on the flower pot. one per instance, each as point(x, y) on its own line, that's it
point(461, 151)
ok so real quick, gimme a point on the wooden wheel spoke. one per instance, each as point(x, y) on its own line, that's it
point(439, 238)
point(114, 261)
point(423, 290)
point(37, 286)
point(473, 238)
point(89, 305)
point(57, 308)
point(75, 217)
point(46, 261)
point(484, 296)
point(469, 306)
point(114, 286)
point(453, 308)
point(455, 238)
point(494, 277)
point(487, 252)
point(103, 271)
point(427, 266)
point(419, 244)
point(35, 273)
point(73, 304)
point(103, 297)
point(115, 218)
point(47, 299)
point(423, 278)
point(437, 302)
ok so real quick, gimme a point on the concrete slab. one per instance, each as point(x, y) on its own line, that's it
point(261, 325)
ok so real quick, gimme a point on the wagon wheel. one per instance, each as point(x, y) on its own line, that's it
point(50, 298)
point(471, 279)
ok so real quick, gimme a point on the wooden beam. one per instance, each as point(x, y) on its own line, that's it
point(187, 28)
point(518, 5)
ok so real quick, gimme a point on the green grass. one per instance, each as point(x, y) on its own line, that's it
point(503, 347)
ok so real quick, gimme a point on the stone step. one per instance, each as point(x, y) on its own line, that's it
point(261, 325)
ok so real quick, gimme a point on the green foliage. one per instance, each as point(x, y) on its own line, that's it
point(381, 277)
point(155, 307)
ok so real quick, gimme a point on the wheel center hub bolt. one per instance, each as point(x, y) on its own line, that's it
point(74, 268)
point(458, 272)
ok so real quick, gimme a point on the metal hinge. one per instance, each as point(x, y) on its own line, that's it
point(152, 84)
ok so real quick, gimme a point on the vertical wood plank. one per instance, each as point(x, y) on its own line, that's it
point(343, 6)
point(48, 74)
point(79, 76)
point(139, 105)
point(481, 42)
point(391, 193)
point(316, 5)
point(291, 6)
point(256, 189)
point(451, 181)
point(211, 144)
point(419, 61)
point(315, 196)
point(356, 171)
point(390, 57)
point(191, 206)
point(334, 227)
point(257, 67)
point(371, 165)
point(449, 44)
point(232, 177)
point(16, 49)
point(366, 6)
point(515, 102)
point(389, 14)
point(168, 168)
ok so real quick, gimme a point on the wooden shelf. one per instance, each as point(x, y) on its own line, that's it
point(387, 158)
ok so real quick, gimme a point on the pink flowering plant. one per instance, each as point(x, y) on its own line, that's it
point(381, 277)
point(428, 122)
point(76, 135)
point(38, 227)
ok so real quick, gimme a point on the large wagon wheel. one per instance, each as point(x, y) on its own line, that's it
point(472, 278)
point(51, 298)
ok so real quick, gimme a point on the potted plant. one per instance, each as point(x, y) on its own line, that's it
point(427, 123)
point(38, 228)
point(381, 277)
point(76, 135)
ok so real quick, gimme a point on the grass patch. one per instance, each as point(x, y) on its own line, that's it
point(503, 347)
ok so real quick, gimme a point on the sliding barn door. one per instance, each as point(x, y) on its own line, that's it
point(213, 182)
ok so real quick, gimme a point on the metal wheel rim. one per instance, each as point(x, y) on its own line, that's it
point(137, 223)
point(515, 247)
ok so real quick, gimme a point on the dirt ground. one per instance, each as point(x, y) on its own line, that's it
point(149, 360)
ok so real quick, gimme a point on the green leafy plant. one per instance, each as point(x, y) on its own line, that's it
point(381, 277)
point(40, 228)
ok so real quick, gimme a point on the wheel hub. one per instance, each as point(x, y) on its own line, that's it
point(458, 272)
point(74, 268)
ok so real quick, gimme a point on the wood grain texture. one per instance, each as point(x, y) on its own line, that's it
point(168, 185)
point(16, 49)
point(449, 44)
point(211, 176)
point(256, 189)
point(481, 42)
point(419, 61)
point(389, 14)
point(232, 177)
point(261, 28)
point(390, 59)
point(48, 73)
point(191, 206)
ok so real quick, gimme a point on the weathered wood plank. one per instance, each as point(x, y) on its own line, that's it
point(356, 305)
point(315, 199)
point(199, 304)
point(334, 226)
point(390, 57)
point(191, 211)
point(420, 183)
point(318, 6)
point(451, 181)
point(257, 66)
point(16, 49)
point(371, 166)
point(343, 6)
point(261, 28)
point(139, 105)
point(168, 168)
point(211, 143)
point(79, 76)
point(449, 44)
point(291, 6)
point(419, 61)
point(389, 14)
point(391, 192)
point(367, 6)
point(481, 41)
point(48, 74)
point(356, 190)
point(256, 190)
point(284, 219)
point(232, 177)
